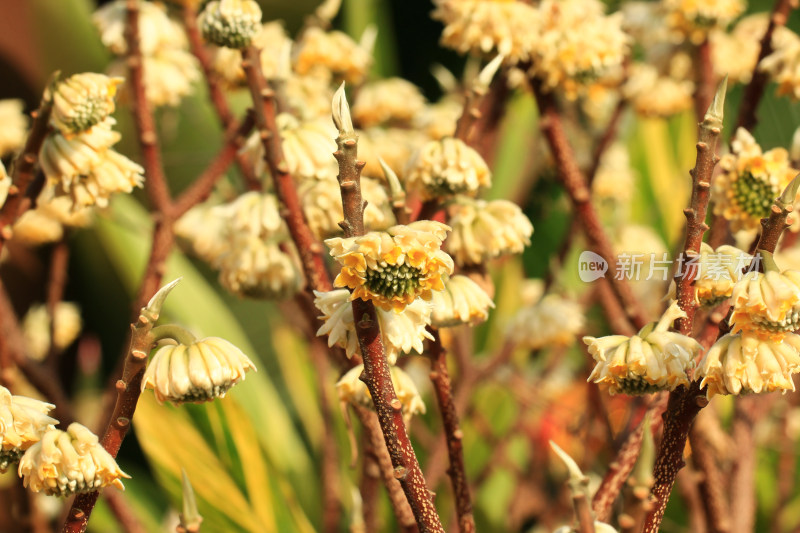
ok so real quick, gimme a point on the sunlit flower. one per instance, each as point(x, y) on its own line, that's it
point(322, 205)
point(333, 51)
point(720, 269)
point(69, 462)
point(83, 100)
point(204, 231)
point(656, 95)
point(693, 19)
point(230, 23)
point(749, 182)
point(156, 29)
point(15, 126)
point(22, 422)
point(352, 390)
point(401, 332)
point(394, 145)
point(36, 328)
point(735, 54)
point(446, 167)
point(394, 267)
point(767, 304)
point(654, 359)
point(783, 64)
point(461, 302)
point(548, 322)
point(393, 100)
point(613, 183)
point(489, 27)
point(252, 213)
point(486, 230)
point(743, 363)
point(169, 76)
point(578, 44)
point(271, 40)
point(199, 372)
point(254, 268)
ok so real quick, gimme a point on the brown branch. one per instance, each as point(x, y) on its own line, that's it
point(704, 79)
point(583, 513)
point(711, 484)
point(59, 262)
point(202, 186)
point(576, 187)
point(440, 377)
point(22, 174)
point(307, 246)
point(376, 374)
point(758, 82)
point(215, 92)
point(369, 485)
point(123, 512)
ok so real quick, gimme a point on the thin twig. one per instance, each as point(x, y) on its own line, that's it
point(711, 484)
point(440, 377)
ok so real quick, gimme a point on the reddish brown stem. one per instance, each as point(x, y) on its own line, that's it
point(758, 82)
point(376, 374)
point(576, 187)
point(440, 377)
point(704, 76)
point(201, 188)
point(307, 246)
point(711, 485)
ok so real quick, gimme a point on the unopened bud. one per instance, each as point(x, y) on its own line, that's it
point(230, 23)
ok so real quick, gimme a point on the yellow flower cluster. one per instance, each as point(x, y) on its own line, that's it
point(230, 23)
point(749, 182)
point(783, 64)
point(694, 19)
point(352, 390)
point(656, 95)
point(445, 167)
point(332, 55)
point(274, 44)
point(390, 101)
point(23, 421)
point(394, 267)
point(654, 359)
point(83, 100)
point(719, 271)
point(461, 302)
point(69, 462)
point(15, 126)
point(547, 322)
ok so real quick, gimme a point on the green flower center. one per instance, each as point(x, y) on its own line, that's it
point(754, 195)
point(635, 385)
point(393, 280)
point(9, 457)
point(790, 323)
point(713, 301)
point(198, 394)
point(89, 112)
point(235, 32)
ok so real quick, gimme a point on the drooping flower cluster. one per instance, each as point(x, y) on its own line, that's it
point(15, 126)
point(461, 302)
point(198, 372)
point(394, 267)
point(352, 390)
point(692, 19)
point(331, 55)
point(275, 47)
point(783, 64)
point(393, 101)
point(230, 23)
point(654, 359)
point(23, 421)
point(547, 321)
point(750, 182)
point(169, 69)
point(654, 94)
point(760, 354)
point(445, 167)
point(36, 328)
point(69, 462)
point(78, 161)
point(719, 271)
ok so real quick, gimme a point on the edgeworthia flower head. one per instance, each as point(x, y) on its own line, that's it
point(486, 230)
point(230, 23)
point(461, 302)
point(23, 421)
point(394, 267)
point(652, 360)
point(352, 390)
point(83, 100)
point(446, 167)
point(69, 462)
point(197, 372)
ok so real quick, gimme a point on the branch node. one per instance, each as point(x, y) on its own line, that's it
point(121, 386)
point(396, 404)
point(400, 473)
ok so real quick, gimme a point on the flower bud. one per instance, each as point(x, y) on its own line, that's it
point(82, 101)
point(22, 423)
point(230, 23)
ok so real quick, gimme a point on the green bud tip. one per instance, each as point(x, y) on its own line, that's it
point(395, 187)
point(190, 518)
point(340, 112)
point(789, 194)
point(153, 307)
point(717, 108)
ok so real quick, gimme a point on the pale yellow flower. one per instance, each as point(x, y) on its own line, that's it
point(69, 462)
point(489, 27)
point(783, 64)
point(309, 96)
point(392, 100)
point(446, 167)
point(169, 76)
point(14, 126)
point(461, 302)
point(720, 270)
point(46, 223)
point(439, 120)
point(334, 52)
point(394, 145)
point(352, 390)
point(23, 421)
point(271, 39)
point(198, 372)
point(230, 23)
point(749, 182)
point(82, 101)
point(743, 363)
point(694, 18)
point(613, 183)
point(204, 231)
point(578, 45)
point(551, 321)
point(767, 305)
point(36, 328)
point(322, 206)
point(254, 268)
point(156, 29)
point(656, 95)
point(5, 184)
point(394, 267)
point(654, 359)
point(735, 54)
point(486, 230)
point(252, 213)
point(402, 332)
